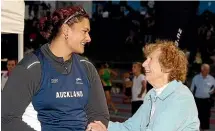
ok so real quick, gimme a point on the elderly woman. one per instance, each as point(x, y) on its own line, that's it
point(170, 105)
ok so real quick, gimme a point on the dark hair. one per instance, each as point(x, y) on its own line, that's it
point(49, 26)
point(12, 59)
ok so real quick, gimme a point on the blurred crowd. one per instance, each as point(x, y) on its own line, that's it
point(119, 32)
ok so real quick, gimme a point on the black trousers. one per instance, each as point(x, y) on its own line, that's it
point(135, 106)
point(204, 108)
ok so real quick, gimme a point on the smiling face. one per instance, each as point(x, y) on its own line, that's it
point(78, 35)
point(153, 69)
point(165, 62)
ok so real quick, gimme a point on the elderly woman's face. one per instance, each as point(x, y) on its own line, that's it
point(152, 67)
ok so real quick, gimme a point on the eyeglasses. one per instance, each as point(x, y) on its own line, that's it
point(80, 11)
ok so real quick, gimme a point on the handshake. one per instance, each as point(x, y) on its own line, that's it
point(96, 126)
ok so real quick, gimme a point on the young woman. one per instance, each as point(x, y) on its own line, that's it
point(54, 88)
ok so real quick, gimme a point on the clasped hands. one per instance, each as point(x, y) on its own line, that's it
point(96, 126)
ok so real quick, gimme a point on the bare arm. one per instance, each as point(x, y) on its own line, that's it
point(113, 72)
point(144, 83)
point(100, 74)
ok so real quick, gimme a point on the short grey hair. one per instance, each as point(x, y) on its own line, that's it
point(205, 66)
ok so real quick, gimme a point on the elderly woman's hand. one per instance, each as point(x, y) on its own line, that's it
point(96, 126)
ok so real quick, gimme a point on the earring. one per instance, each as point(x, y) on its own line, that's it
point(66, 36)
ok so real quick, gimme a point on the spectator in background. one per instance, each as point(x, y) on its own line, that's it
point(33, 6)
point(197, 61)
point(149, 23)
point(187, 53)
point(11, 63)
point(138, 88)
point(45, 9)
point(105, 73)
point(212, 66)
point(203, 86)
point(127, 84)
point(33, 39)
point(99, 12)
point(34, 33)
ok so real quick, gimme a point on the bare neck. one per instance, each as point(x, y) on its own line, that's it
point(137, 74)
point(60, 49)
point(159, 83)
